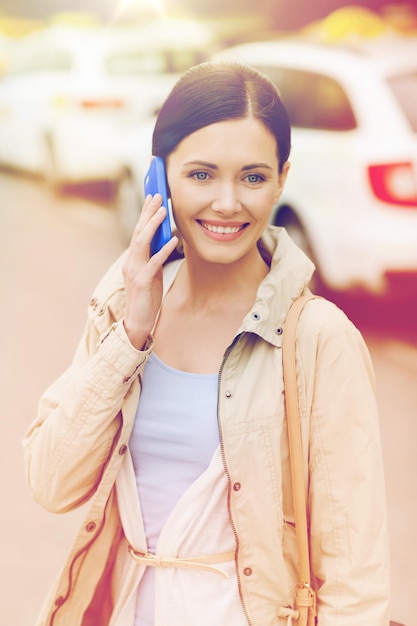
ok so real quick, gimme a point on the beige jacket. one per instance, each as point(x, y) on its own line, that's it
point(75, 449)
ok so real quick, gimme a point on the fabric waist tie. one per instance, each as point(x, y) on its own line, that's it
point(197, 562)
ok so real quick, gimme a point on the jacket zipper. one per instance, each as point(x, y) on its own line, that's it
point(229, 481)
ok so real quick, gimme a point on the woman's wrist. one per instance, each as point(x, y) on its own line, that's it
point(138, 339)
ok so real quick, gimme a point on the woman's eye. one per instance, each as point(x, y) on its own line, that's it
point(200, 176)
point(254, 178)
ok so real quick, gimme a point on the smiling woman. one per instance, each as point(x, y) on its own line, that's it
point(225, 197)
point(171, 418)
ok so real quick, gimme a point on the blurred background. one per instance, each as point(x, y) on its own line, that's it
point(80, 84)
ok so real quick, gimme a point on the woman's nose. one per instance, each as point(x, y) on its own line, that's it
point(226, 200)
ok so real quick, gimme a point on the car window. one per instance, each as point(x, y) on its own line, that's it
point(44, 60)
point(137, 62)
point(313, 100)
point(404, 88)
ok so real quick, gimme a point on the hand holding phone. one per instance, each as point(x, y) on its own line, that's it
point(156, 182)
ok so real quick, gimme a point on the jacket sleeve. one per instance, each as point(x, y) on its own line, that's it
point(80, 417)
point(347, 510)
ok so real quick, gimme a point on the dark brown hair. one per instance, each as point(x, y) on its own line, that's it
point(218, 91)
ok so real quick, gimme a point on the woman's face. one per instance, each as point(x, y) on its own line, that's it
point(224, 181)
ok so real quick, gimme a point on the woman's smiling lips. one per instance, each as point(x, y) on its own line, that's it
point(222, 231)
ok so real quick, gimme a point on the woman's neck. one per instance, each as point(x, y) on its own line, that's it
point(218, 286)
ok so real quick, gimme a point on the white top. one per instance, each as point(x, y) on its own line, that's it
point(173, 441)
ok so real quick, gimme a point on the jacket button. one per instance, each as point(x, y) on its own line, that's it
point(278, 330)
point(255, 316)
point(90, 527)
point(122, 449)
point(59, 601)
point(101, 310)
point(236, 487)
point(247, 571)
point(93, 303)
point(228, 394)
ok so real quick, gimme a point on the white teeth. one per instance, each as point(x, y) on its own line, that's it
point(222, 230)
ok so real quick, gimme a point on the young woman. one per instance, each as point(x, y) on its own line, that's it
point(171, 418)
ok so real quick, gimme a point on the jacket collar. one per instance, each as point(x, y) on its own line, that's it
point(291, 271)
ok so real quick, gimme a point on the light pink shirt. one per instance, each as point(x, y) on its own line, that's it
point(198, 525)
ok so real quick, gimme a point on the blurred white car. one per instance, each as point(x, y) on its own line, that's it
point(69, 94)
point(351, 195)
point(135, 157)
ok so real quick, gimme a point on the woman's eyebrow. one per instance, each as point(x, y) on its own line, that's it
point(202, 163)
point(250, 166)
point(254, 166)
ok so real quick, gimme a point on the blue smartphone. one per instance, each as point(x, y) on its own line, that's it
point(156, 182)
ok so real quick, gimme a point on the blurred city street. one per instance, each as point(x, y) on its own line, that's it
point(53, 250)
point(52, 254)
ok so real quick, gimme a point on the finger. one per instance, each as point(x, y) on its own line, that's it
point(142, 236)
point(151, 205)
point(151, 266)
point(149, 208)
point(159, 258)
